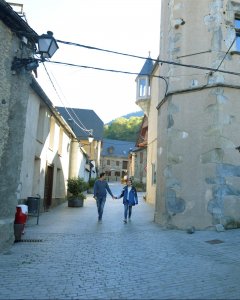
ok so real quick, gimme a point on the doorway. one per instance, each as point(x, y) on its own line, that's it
point(48, 187)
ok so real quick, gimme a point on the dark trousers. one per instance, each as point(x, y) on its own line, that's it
point(100, 206)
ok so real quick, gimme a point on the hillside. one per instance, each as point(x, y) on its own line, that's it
point(128, 116)
point(123, 129)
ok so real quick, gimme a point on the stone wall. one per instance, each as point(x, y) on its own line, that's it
point(13, 105)
point(198, 120)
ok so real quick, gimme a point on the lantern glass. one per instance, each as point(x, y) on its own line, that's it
point(90, 138)
point(47, 45)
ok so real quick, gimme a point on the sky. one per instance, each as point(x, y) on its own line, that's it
point(126, 26)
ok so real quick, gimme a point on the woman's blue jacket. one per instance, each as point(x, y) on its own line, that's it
point(133, 198)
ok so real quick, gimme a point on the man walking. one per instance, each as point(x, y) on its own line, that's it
point(101, 188)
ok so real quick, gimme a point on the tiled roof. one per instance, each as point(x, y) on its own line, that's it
point(147, 67)
point(87, 117)
point(116, 148)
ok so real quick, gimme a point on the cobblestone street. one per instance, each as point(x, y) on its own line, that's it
point(69, 255)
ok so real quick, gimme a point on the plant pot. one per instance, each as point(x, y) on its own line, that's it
point(75, 202)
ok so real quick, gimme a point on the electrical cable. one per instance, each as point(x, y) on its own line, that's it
point(154, 60)
point(226, 54)
point(89, 131)
point(109, 70)
point(69, 108)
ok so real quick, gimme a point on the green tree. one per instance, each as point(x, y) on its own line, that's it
point(123, 129)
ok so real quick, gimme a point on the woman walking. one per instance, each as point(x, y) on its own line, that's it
point(130, 198)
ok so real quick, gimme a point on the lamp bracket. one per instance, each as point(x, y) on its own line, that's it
point(27, 63)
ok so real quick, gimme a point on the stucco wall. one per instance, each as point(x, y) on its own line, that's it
point(152, 139)
point(33, 176)
point(140, 174)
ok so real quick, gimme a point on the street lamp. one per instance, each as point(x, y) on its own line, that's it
point(47, 46)
point(90, 138)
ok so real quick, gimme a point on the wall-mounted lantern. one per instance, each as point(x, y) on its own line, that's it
point(47, 46)
point(90, 137)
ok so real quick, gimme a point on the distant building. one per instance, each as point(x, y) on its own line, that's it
point(138, 156)
point(114, 158)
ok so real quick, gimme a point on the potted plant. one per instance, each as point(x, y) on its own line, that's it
point(76, 187)
point(91, 185)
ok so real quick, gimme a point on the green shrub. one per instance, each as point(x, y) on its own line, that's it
point(140, 186)
point(76, 186)
point(91, 182)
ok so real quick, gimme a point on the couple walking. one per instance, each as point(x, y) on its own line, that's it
point(129, 195)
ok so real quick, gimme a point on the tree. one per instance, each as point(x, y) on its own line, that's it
point(123, 129)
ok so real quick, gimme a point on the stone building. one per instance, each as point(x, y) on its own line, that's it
point(198, 169)
point(14, 90)
point(114, 158)
point(37, 153)
point(138, 156)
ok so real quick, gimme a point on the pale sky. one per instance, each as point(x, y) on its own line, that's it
point(128, 26)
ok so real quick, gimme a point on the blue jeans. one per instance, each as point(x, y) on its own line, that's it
point(127, 211)
point(100, 206)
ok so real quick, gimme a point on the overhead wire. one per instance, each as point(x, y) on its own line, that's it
point(154, 60)
point(108, 70)
point(69, 108)
point(83, 127)
point(213, 70)
point(225, 55)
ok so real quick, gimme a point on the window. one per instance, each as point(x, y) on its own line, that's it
point(117, 163)
point(143, 87)
point(237, 29)
point(125, 165)
point(108, 162)
point(117, 173)
point(108, 173)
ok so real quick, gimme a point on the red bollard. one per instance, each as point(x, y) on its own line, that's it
point(20, 218)
point(20, 221)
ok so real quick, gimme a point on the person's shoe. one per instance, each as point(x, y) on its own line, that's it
point(125, 221)
point(99, 220)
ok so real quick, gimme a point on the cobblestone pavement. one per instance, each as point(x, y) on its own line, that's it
point(69, 255)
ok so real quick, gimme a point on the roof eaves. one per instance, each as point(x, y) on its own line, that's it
point(15, 22)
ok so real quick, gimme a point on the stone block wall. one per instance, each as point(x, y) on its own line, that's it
point(13, 104)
